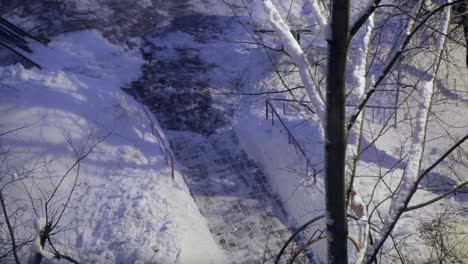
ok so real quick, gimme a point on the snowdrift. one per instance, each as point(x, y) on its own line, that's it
point(124, 205)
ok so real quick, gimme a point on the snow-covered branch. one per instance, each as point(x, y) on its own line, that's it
point(412, 169)
point(409, 32)
point(363, 17)
point(294, 50)
point(353, 144)
point(319, 18)
point(359, 76)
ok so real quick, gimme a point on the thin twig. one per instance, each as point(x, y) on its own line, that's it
point(10, 228)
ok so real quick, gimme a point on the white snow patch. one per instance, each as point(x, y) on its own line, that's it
point(36, 247)
point(127, 208)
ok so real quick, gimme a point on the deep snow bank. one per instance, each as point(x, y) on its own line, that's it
point(285, 168)
point(126, 207)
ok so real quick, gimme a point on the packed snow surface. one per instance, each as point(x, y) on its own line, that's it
point(125, 207)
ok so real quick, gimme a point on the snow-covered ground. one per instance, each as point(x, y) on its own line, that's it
point(125, 206)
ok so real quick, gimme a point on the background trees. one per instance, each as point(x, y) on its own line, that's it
point(398, 51)
point(396, 46)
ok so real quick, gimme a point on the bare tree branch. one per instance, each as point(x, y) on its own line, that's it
point(10, 229)
point(412, 192)
point(454, 189)
point(360, 22)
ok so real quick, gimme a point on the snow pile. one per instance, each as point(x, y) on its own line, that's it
point(124, 206)
point(285, 168)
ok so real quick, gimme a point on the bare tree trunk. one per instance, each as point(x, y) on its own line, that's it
point(335, 147)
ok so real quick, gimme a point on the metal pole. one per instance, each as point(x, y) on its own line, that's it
point(272, 116)
point(172, 166)
point(384, 115)
point(396, 104)
point(456, 92)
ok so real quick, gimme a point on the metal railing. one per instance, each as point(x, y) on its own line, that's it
point(384, 108)
point(291, 138)
point(165, 150)
point(373, 107)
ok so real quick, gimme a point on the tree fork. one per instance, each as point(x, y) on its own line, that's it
point(335, 147)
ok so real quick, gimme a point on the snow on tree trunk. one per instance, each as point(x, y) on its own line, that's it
point(298, 57)
point(411, 172)
point(360, 80)
point(352, 148)
point(37, 250)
